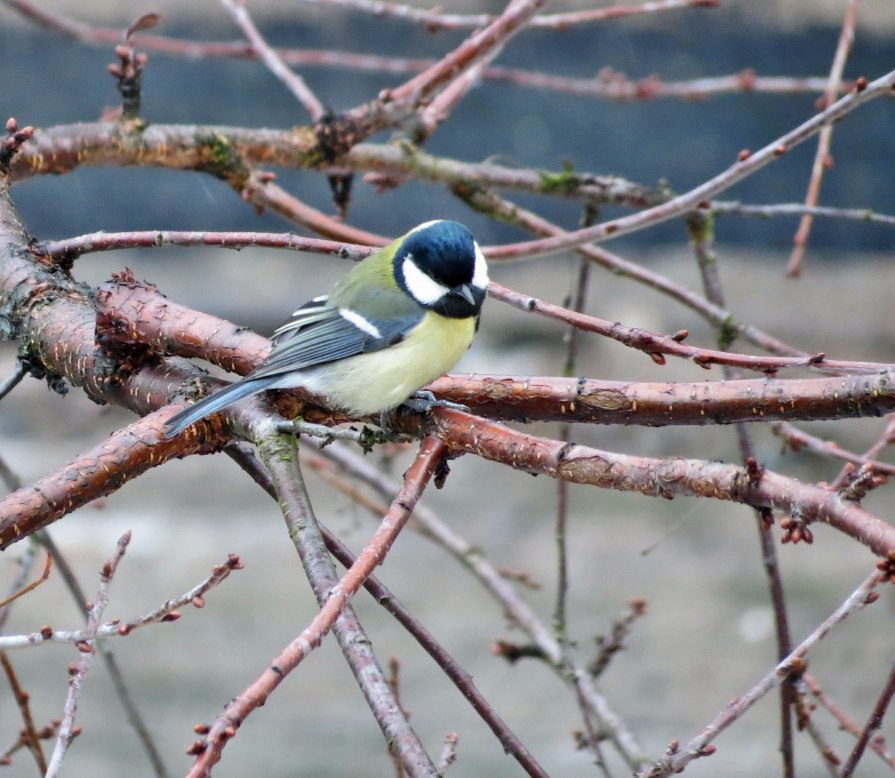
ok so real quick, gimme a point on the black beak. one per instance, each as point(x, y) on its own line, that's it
point(465, 292)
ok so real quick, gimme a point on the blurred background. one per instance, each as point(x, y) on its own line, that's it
point(708, 635)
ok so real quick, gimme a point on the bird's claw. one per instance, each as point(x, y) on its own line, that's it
point(423, 401)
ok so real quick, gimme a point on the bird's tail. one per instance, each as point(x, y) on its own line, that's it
point(215, 402)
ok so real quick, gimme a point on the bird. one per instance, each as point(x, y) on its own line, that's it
point(396, 321)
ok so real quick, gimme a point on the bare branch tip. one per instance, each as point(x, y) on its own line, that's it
point(144, 22)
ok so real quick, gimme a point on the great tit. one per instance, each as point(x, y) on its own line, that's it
point(396, 321)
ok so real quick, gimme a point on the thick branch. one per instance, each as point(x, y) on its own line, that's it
point(124, 455)
point(136, 313)
point(542, 398)
point(64, 148)
point(664, 476)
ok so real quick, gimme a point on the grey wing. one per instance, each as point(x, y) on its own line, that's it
point(318, 333)
point(310, 312)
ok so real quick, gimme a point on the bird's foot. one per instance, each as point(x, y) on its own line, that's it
point(423, 401)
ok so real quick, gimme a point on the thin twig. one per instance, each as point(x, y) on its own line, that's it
point(480, 47)
point(280, 454)
point(68, 249)
point(497, 206)
point(828, 756)
point(28, 735)
point(245, 457)
point(434, 20)
point(10, 383)
point(67, 730)
point(798, 439)
point(878, 743)
point(571, 338)
point(700, 745)
point(365, 436)
point(885, 439)
point(26, 562)
point(657, 346)
point(48, 566)
point(873, 724)
point(609, 645)
point(293, 82)
point(448, 752)
point(702, 237)
point(134, 717)
point(432, 115)
point(166, 612)
point(769, 210)
point(9, 477)
point(608, 84)
point(265, 194)
point(822, 157)
point(701, 195)
point(607, 721)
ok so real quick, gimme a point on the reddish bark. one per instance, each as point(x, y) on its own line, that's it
point(664, 476)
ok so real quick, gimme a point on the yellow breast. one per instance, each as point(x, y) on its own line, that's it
point(369, 383)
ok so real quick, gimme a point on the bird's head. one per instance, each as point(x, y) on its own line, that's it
point(440, 265)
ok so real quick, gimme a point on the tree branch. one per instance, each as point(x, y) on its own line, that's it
point(663, 477)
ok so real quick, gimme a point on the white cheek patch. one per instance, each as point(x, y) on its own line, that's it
point(422, 288)
point(363, 324)
point(480, 274)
